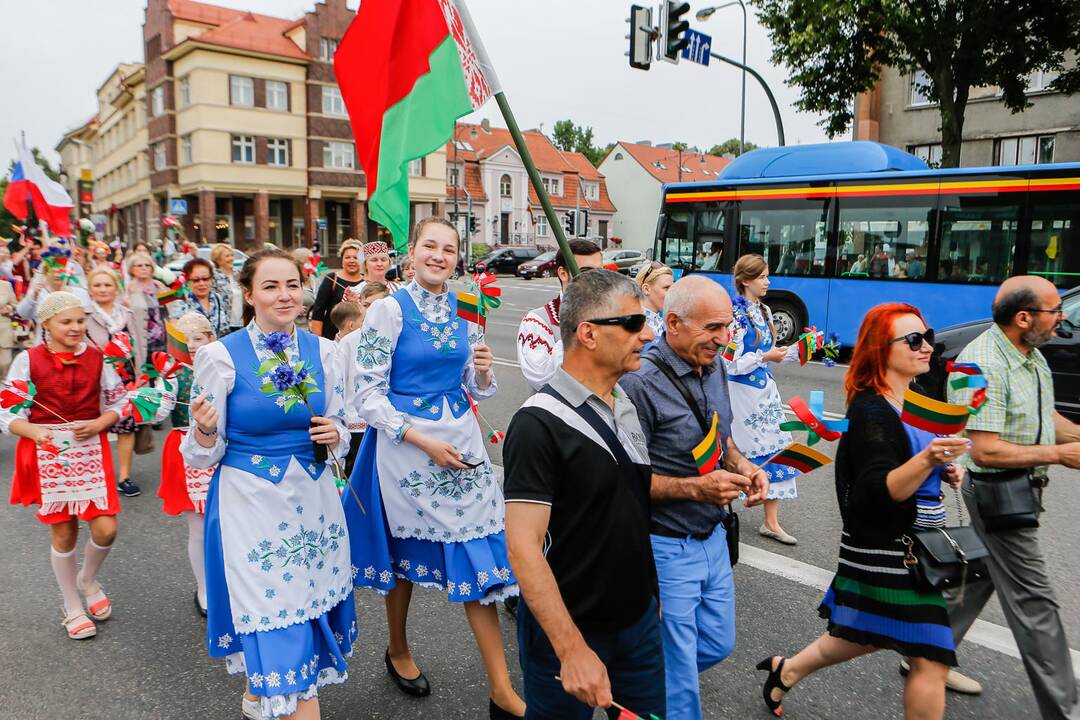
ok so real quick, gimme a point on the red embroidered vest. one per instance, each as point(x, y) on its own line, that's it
point(74, 391)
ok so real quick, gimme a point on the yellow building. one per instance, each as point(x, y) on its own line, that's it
point(236, 118)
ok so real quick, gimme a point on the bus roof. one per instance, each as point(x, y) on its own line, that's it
point(839, 161)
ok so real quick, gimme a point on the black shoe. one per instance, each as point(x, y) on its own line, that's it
point(511, 604)
point(129, 488)
point(497, 713)
point(416, 687)
point(198, 605)
point(773, 682)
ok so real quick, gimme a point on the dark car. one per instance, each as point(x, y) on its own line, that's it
point(1062, 354)
point(543, 265)
point(504, 260)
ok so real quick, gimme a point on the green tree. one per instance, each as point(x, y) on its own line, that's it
point(6, 218)
point(838, 47)
point(730, 147)
point(577, 138)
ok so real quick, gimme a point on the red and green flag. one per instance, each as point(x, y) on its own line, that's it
point(625, 714)
point(707, 453)
point(799, 456)
point(408, 69)
point(934, 416)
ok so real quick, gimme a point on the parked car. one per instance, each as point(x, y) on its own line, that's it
point(543, 265)
point(623, 259)
point(1062, 354)
point(504, 260)
point(177, 265)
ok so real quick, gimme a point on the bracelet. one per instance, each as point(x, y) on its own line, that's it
point(203, 432)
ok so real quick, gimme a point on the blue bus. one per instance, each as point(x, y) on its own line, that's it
point(845, 226)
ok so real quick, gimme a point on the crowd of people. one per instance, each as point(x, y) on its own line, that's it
point(311, 462)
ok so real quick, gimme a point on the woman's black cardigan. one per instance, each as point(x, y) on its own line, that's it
point(875, 444)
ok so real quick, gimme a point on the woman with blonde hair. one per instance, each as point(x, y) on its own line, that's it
point(655, 279)
point(333, 288)
point(757, 410)
point(226, 287)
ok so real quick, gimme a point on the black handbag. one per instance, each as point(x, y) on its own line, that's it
point(945, 558)
point(1008, 500)
point(730, 520)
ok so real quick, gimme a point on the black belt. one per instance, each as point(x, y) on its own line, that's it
point(658, 529)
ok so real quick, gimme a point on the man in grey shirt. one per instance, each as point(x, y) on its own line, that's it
point(689, 543)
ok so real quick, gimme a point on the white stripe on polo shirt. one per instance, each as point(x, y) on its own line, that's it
point(571, 417)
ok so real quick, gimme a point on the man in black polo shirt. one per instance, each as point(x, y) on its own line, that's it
point(577, 518)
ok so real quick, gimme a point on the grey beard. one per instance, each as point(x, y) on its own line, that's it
point(1035, 339)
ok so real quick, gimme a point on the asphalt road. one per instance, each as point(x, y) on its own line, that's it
point(150, 661)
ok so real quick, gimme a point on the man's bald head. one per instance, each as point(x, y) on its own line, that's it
point(693, 292)
point(1022, 292)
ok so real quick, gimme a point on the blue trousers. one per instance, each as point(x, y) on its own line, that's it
point(634, 659)
point(697, 594)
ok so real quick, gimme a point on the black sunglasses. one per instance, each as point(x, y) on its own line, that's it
point(629, 323)
point(915, 340)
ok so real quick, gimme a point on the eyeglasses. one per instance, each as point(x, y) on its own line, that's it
point(915, 340)
point(629, 323)
point(199, 279)
point(1059, 310)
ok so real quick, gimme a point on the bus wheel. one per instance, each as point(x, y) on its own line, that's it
point(787, 320)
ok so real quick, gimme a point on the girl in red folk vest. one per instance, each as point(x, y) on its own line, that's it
point(183, 488)
point(62, 461)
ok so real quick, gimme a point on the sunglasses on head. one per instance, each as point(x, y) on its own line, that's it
point(915, 340)
point(630, 323)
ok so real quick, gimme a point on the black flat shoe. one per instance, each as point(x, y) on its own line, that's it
point(198, 605)
point(416, 687)
point(128, 488)
point(773, 683)
point(497, 713)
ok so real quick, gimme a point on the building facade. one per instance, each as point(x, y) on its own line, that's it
point(235, 124)
point(636, 174)
point(897, 112)
point(487, 182)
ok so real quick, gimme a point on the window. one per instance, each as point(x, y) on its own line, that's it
point(930, 154)
point(416, 167)
point(327, 48)
point(884, 238)
point(1040, 80)
point(505, 187)
point(277, 95)
point(791, 235)
point(463, 146)
point(338, 155)
point(242, 91)
point(277, 152)
point(541, 225)
point(454, 177)
point(1028, 150)
point(157, 101)
point(677, 250)
point(919, 88)
point(1054, 249)
point(159, 156)
point(185, 91)
point(978, 237)
point(186, 152)
point(243, 149)
point(332, 104)
point(591, 190)
point(553, 185)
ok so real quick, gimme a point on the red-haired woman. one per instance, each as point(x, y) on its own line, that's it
point(888, 480)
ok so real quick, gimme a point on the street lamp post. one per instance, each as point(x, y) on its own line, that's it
point(705, 14)
point(765, 87)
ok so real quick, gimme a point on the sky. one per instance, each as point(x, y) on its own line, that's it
point(556, 59)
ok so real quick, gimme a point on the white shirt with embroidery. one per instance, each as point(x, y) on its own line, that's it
point(539, 346)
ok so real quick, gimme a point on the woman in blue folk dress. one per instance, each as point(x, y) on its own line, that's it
point(434, 511)
point(279, 582)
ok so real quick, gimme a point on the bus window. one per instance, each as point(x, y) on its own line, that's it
point(884, 238)
point(790, 235)
point(1054, 252)
point(709, 233)
point(978, 238)
point(676, 245)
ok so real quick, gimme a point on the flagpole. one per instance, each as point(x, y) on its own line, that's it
point(538, 185)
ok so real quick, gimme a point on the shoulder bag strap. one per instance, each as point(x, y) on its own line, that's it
point(659, 362)
point(590, 416)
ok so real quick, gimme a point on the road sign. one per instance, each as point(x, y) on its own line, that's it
point(322, 223)
point(698, 48)
point(178, 206)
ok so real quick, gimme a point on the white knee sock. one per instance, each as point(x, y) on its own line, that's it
point(94, 556)
point(195, 553)
point(65, 567)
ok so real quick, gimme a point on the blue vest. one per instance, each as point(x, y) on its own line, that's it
point(752, 342)
point(428, 362)
point(261, 437)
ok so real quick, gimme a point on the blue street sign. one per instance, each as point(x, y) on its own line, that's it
point(178, 206)
point(698, 48)
point(322, 223)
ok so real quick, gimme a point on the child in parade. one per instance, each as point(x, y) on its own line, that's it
point(433, 512)
point(278, 581)
point(62, 461)
point(347, 317)
point(755, 400)
point(408, 271)
point(183, 488)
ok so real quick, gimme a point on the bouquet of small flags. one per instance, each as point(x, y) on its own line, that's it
point(175, 291)
point(481, 296)
point(812, 340)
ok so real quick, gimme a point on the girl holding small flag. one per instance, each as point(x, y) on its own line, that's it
point(268, 410)
point(888, 481)
point(756, 406)
point(434, 511)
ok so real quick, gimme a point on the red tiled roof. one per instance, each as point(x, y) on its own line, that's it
point(240, 29)
point(474, 183)
point(663, 163)
point(485, 143)
point(201, 12)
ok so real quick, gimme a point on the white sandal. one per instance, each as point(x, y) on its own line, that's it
point(79, 626)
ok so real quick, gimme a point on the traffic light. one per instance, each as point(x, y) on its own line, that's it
point(641, 37)
point(570, 222)
point(673, 29)
point(472, 223)
point(583, 224)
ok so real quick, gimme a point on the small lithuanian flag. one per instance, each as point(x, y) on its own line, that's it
point(800, 457)
point(468, 308)
point(729, 351)
point(176, 343)
point(932, 415)
point(707, 453)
